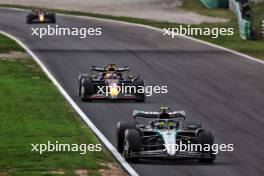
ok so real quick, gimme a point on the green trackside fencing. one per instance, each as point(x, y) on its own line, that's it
point(245, 25)
point(215, 3)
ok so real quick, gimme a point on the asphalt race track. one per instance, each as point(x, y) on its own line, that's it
point(220, 89)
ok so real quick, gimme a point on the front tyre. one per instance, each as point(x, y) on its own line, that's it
point(120, 134)
point(132, 144)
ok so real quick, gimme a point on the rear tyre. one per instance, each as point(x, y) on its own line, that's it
point(80, 87)
point(205, 138)
point(87, 89)
point(120, 134)
point(81, 78)
point(139, 83)
point(53, 18)
point(132, 144)
point(29, 19)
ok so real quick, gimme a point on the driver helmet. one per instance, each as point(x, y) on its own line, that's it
point(162, 125)
point(171, 125)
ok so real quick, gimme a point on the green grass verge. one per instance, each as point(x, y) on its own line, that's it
point(253, 48)
point(7, 45)
point(32, 111)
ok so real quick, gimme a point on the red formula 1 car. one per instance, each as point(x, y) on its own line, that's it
point(107, 82)
point(40, 16)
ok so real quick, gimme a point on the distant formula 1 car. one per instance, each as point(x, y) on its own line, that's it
point(40, 16)
point(158, 138)
point(105, 83)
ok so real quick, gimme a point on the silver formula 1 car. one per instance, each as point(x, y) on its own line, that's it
point(40, 16)
point(162, 136)
point(112, 83)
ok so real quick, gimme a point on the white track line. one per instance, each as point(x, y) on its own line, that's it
point(109, 146)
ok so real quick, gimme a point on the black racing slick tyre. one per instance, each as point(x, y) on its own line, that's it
point(120, 134)
point(132, 144)
point(139, 83)
point(87, 88)
point(205, 137)
point(81, 79)
point(80, 87)
point(29, 19)
point(52, 18)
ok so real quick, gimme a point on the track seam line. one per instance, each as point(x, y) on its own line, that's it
point(99, 134)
